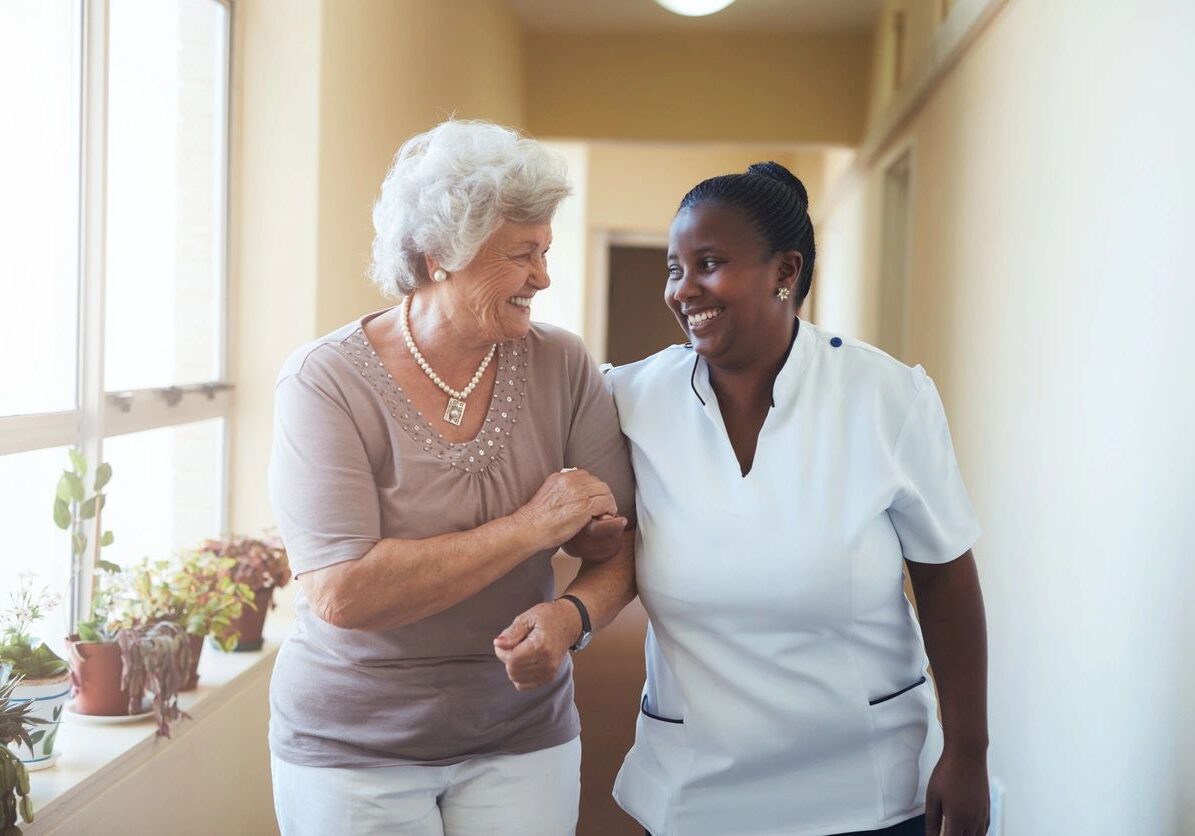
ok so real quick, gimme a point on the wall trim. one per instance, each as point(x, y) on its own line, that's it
point(968, 19)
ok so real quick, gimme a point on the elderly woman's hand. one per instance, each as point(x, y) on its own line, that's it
point(564, 504)
point(536, 642)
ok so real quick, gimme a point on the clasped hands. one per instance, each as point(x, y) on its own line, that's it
point(577, 512)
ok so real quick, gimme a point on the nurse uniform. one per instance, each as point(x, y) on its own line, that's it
point(786, 683)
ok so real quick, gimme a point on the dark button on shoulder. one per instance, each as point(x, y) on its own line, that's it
point(836, 341)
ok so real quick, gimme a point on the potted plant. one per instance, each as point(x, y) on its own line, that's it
point(211, 602)
point(14, 778)
point(94, 655)
point(260, 565)
point(115, 654)
point(44, 675)
point(194, 590)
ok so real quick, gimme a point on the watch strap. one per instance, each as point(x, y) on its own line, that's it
point(586, 625)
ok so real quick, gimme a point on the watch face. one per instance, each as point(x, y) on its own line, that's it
point(583, 641)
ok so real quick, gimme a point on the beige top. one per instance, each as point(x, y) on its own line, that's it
point(354, 462)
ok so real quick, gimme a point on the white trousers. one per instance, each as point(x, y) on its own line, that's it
point(535, 794)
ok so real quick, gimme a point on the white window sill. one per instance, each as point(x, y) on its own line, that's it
point(96, 756)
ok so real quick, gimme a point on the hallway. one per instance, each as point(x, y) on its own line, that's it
point(1001, 192)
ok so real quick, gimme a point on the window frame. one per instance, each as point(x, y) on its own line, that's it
point(100, 414)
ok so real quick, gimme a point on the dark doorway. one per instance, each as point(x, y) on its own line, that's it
point(638, 324)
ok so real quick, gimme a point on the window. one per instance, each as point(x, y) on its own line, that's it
point(112, 269)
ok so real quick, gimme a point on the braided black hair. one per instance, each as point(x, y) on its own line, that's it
point(775, 202)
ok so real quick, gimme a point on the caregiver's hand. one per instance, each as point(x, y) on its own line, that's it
point(956, 799)
point(599, 540)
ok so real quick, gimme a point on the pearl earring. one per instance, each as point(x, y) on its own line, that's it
point(440, 274)
point(782, 293)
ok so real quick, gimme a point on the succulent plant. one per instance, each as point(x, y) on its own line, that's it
point(158, 659)
point(14, 779)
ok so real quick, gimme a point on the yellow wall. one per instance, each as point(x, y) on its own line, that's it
point(678, 86)
point(635, 187)
point(1051, 299)
point(274, 225)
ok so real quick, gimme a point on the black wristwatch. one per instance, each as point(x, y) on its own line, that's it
point(586, 627)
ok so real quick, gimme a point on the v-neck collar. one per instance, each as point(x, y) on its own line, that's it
point(784, 387)
point(784, 391)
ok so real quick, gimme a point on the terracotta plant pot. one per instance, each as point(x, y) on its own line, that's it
point(48, 698)
point(95, 675)
point(251, 622)
point(196, 643)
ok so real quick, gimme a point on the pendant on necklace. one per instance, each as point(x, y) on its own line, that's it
point(455, 413)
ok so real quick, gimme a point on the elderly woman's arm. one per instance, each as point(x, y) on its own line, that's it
point(536, 642)
point(398, 582)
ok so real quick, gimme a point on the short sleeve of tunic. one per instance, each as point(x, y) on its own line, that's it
point(931, 513)
point(321, 482)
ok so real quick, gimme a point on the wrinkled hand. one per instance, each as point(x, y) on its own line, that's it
point(564, 504)
point(956, 799)
point(599, 540)
point(536, 642)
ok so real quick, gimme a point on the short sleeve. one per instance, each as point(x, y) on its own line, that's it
point(595, 442)
point(932, 513)
point(321, 484)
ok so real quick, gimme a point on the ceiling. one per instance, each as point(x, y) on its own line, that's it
point(741, 16)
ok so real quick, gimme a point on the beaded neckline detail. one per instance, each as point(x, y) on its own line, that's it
point(505, 406)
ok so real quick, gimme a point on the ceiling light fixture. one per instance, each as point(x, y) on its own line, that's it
point(694, 8)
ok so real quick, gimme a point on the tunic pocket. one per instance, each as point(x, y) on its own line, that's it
point(648, 712)
point(894, 694)
point(906, 746)
point(654, 769)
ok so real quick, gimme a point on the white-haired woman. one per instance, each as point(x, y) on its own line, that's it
point(428, 460)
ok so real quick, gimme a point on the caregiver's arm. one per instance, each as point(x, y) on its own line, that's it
point(535, 643)
point(950, 609)
point(398, 582)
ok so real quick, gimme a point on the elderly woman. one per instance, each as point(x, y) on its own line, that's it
point(428, 460)
point(785, 477)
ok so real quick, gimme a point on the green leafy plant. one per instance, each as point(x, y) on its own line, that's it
point(28, 656)
point(78, 513)
point(195, 590)
point(14, 779)
point(210, 596)
point(258, 563)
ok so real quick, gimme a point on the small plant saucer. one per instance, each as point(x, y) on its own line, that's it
point(110, 719)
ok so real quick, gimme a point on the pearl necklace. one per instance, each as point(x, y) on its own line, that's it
point(455, 413)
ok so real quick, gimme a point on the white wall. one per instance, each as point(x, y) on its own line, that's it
point(1051, 300)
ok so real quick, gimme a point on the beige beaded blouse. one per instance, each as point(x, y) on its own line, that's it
point(354, 462)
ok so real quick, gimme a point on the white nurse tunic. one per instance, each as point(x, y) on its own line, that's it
point(786, 689)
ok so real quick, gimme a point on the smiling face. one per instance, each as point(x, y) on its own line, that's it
point(492, 294)
point(722, 286)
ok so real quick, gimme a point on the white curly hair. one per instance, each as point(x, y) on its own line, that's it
point(449, 190)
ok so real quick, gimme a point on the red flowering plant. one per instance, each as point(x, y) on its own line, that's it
point(258, 563)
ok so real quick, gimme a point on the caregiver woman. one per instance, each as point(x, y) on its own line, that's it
point(428, 460)
point(784, 477)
